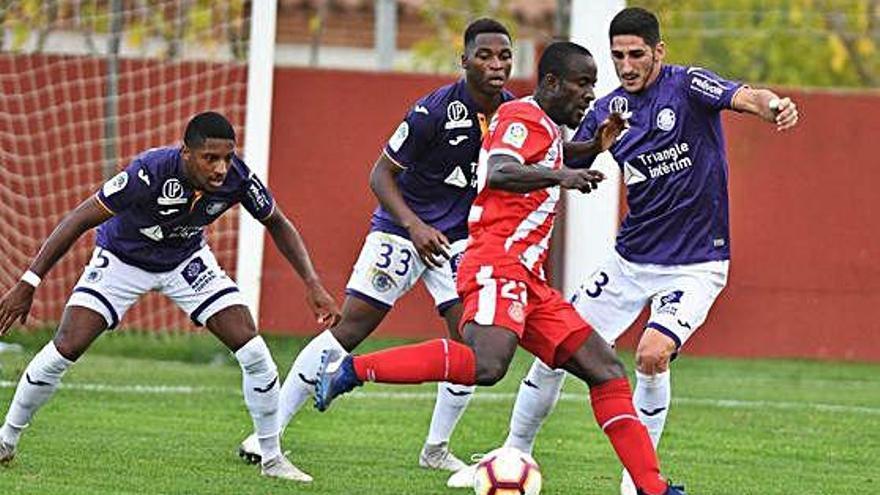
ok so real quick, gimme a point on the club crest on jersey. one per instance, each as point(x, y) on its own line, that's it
point(172, 193)
point(457, 115)
point(618, 104)
point(215, 207)
point(399, 137)
point(116, 184)
point(516, 311)
point(93, 276)
point(197, 274)
point(382, 282)
point(515, 135)
point(666, 119)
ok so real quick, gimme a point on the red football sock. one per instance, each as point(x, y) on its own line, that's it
point(614, 411)
point(439, 360)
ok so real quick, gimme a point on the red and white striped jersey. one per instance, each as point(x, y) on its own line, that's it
point(506, 226)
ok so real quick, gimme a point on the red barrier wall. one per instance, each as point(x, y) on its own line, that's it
point(805, 276)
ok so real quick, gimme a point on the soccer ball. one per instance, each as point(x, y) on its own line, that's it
point(507, 471)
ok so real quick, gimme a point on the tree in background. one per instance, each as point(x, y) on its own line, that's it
point(785, 42)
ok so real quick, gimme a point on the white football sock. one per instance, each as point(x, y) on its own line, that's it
point(36, 386)
point(451, 402)
point(260, 386)
point(651, 398)
point(300, 382)
point(537, 395)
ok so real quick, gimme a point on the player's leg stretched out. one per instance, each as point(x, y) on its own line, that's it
point(554, 332)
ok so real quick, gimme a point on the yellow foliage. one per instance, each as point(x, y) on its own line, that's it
point(865, 46)
point(839, 55)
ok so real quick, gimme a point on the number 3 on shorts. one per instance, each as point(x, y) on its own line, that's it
point(597, 290)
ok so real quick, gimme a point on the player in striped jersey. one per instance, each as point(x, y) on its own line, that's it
point(507, 300)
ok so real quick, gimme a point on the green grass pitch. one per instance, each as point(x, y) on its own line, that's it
point(164, 414)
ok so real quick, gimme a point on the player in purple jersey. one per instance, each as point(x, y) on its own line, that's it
point(673, 248)
point(424, 180)
point(152, 217)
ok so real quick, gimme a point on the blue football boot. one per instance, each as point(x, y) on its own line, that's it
point(336, 376)
point(670, 490)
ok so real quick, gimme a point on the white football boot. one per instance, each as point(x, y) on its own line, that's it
point(281, 468)
point(438, 456)
point(464, 477)
point(249, 450)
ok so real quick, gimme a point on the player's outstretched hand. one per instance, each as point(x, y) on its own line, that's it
point(15, 305)
point(609, 130)
point(786, 113)
point(323, 306)
point(584, 180)
point(431, 245)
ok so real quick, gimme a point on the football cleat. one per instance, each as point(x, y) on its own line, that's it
point(438, 456)
point(281, 468)
point(336, 376)
point(249, 450)
point(464, 477)
point(670, 490)
point(7, 452)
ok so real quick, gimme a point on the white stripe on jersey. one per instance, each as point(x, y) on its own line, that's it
point(535, 219)
point(486, 297)
point(531, 255)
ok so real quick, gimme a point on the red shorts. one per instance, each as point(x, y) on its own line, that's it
point(512, 297)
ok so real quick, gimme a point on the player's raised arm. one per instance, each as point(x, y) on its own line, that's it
point(767, 105)
point(288, 240)
point(16, 303)
point(429, 242)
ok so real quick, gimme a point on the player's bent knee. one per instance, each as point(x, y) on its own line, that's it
point(652, 361)
point(490, 371)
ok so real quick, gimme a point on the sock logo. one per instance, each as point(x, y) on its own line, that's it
point(653, 412)
point(458, 393)
point(38, 383)
point(529, 383)
point(268, 387)
point(307, 381)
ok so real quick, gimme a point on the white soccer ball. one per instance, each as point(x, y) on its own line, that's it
point(507, 471)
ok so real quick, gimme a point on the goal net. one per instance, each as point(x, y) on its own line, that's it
point(84, 87)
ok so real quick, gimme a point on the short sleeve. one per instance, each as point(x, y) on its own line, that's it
point(709, 89)
point(412, 137)
point(585, 132)
point(127, 188)
point(521, 136)
point(256, 198)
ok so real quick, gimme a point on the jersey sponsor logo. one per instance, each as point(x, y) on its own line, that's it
point(169, 211)
point(515, 135)
point(172, 193)
point(154, 233)
point(115, 184)
point(144, 176)
point(667, 161)
point(631, 175)
point(257, 193)
point(215, 208)
point(197, 274)
point(666, 119)
point(457, 115)
point(457, 178)
point(457, 140)
point(399, 137)
point(706, 84)
point(185, 231)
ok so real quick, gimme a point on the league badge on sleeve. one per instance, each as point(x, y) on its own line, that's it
point(399, 137)
point(515, 135)
point(116, 184)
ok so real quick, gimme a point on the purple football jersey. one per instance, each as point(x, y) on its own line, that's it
point(159, 218)
point(674, 166)
point(437, 145)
